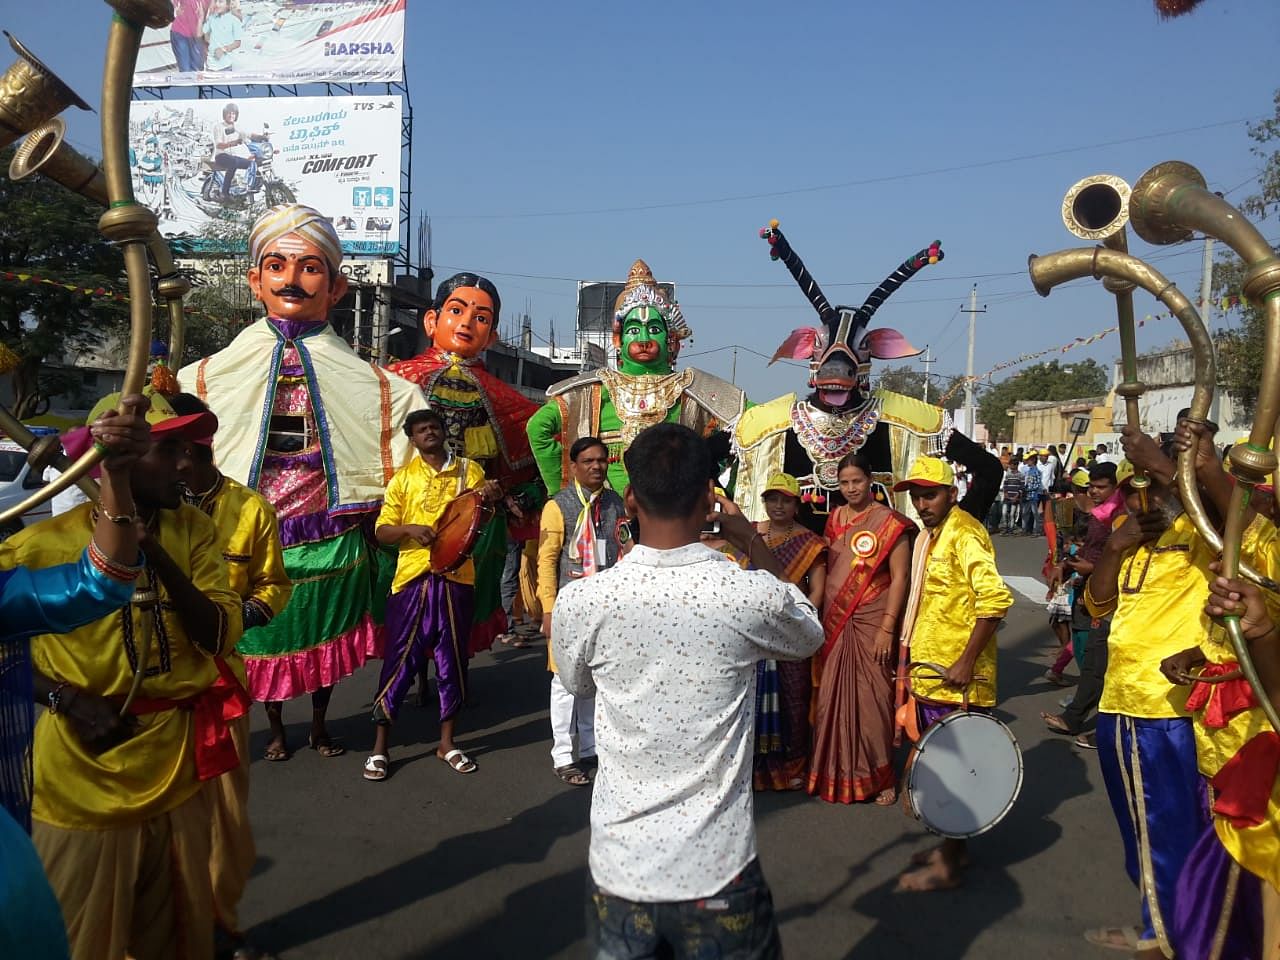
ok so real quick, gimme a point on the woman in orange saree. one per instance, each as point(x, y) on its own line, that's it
point(868, 569)
point(783, 687)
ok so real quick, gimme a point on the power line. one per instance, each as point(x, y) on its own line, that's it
point(867, 181)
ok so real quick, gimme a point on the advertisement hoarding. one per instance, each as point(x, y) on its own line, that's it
point(340, 155)
point(275, 42)
point(234, 270)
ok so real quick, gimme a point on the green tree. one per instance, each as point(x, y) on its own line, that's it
point(1044, 381)
point(219, 305)
point(1240, 347)
point(903, 379)
point(47, 231)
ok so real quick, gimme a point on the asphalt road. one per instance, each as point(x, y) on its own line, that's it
point(431, 864)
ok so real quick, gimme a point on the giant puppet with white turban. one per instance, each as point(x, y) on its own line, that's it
point(316, 430)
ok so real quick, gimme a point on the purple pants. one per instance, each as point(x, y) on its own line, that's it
point(430, 617)
point(1218, 911)
point(930, 712)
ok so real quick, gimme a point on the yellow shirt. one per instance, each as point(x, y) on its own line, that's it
point(962, 586)
point(1159, 611)
point(250, 537)
point(154, 770)
point(1257, 848)
point(550, 543)
point(418, 494)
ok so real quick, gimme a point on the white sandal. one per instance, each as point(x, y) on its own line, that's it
point(375, 767)
point(459, 761)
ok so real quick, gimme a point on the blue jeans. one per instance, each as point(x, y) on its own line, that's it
point(188, 51)
point(510, 585)
point(737, 923)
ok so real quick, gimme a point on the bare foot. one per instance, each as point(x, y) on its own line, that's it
point(887, 797)
point(936, 876)
point(276, 750)
point(925, 858)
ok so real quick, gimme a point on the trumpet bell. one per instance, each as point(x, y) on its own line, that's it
point(1097, 207)
point(1152, 202)
point(30, 94)
point(46, 151)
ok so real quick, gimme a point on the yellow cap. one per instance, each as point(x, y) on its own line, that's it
point(1080, 478)
point(783, 483)
point(162, 417)
point(1124, 471)
point(927, 472)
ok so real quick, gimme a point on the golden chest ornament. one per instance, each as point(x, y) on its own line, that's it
point(643, 400)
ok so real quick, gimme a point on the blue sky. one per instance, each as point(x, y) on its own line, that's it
point(543, 131)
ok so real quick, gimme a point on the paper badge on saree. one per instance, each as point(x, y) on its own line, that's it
point(864, 544)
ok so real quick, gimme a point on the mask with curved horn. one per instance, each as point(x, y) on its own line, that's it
point(844, 328)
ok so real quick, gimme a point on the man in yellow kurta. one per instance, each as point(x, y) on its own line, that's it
point(122, 806)
point(957, 600)
point(250, 538)
point(1153, 574)
point(428, 614)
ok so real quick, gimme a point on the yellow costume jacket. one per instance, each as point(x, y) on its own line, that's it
point(154, 770)
point(760, 437)
point(250, 538)
point(1159, 611)
point(962, 585)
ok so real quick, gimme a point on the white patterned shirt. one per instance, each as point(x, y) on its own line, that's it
point(667, 641)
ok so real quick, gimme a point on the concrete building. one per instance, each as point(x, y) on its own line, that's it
point(1049, 421)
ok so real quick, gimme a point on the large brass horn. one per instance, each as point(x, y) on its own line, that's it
point(1168, 202)
point(1097, 208)
point(126, 223)
point(45, 151)
point(31, 94)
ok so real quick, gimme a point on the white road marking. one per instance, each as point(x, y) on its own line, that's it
point(1030, 587)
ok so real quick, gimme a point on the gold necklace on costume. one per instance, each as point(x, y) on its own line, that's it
point(641, 400)
point(829, 437)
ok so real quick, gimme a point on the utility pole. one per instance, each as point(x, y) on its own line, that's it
point(973, 311)
point(926, 363)
point(733, 376)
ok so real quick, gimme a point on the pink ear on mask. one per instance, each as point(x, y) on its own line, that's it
point(885, 343)
point(798, 346)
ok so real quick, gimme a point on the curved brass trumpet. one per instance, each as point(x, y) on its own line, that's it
point(31, 95)
point(1166, 204)
point(1097, 208)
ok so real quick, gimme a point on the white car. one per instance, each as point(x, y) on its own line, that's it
point(18, 480)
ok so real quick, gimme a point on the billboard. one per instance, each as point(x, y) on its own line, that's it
point(209, 168)
point(275, 42)
point(214, 269)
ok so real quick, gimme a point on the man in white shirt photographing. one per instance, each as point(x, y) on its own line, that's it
point(667, 642)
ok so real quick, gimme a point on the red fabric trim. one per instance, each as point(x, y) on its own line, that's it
point(1223, 700)
point(851, 790)
point(1243, 787)
point(212, 710)
point(484, 632)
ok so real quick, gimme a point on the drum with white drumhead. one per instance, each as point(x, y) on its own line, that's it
point(964, 775)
